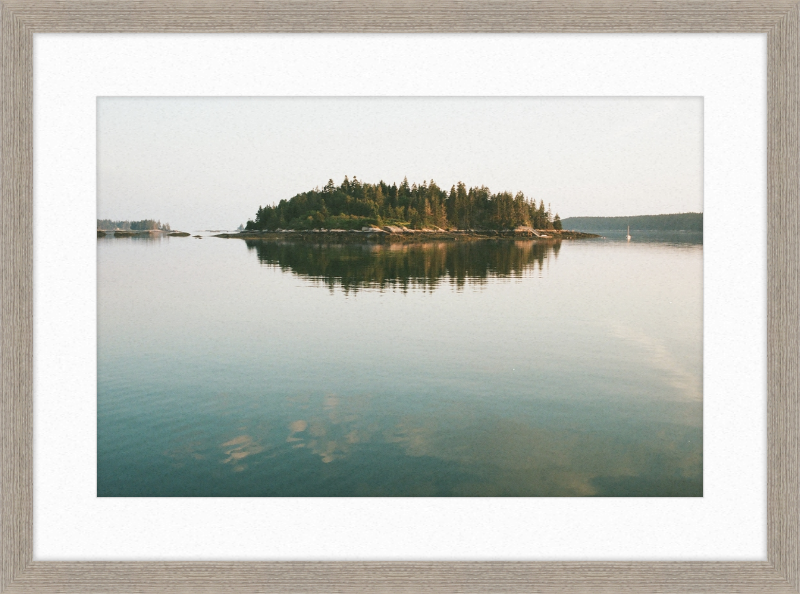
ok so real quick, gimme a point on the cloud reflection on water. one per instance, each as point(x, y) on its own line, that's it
point(534, 452)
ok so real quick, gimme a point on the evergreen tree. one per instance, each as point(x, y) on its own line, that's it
point(354, 204)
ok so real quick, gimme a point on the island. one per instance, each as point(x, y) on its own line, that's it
point(354, 211)
point(143, 228)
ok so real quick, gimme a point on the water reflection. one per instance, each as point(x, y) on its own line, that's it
point(464, 449)
point(663, 238)
point(217, 378)
point(239, 448)
point(404, 266)
point(140, 237)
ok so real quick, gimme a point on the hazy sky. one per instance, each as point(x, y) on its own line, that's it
point(209, 163)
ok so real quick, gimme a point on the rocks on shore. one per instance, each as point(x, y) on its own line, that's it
point(392, 233)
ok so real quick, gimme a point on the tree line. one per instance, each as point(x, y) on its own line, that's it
point(353, 204)
point(684, 221)
point(144, 225)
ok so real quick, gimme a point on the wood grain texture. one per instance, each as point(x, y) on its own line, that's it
point(412, 578)
point(20, 19)
point(418, 16)
point(16, 309)
point(783, 365)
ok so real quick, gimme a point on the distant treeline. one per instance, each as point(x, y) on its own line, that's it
point(354, 204)
point(685, 221)
point(145, 225)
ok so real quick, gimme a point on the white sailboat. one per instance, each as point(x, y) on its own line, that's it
point(629, 232)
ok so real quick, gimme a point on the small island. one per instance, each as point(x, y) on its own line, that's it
point(143, 228)
point(353, 211)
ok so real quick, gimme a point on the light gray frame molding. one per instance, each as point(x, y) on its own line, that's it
point(20, 20)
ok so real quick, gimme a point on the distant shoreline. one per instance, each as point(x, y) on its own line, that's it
point(127, 233)
point(407, 235)
point(681, 221)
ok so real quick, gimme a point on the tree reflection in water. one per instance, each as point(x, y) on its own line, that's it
point(400, 265)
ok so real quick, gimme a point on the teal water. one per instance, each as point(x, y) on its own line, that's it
point(247, 368)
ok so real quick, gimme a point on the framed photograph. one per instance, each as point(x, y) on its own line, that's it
point(508, 309)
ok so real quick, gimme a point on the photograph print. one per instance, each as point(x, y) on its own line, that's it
point(400, 297)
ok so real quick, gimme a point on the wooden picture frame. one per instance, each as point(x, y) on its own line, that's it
point(779, 20)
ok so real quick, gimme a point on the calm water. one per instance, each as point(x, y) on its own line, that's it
point(233, 368)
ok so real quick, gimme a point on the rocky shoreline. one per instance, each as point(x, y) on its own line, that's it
point(399, 234)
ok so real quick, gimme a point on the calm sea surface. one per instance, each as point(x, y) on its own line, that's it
point(234, 368)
